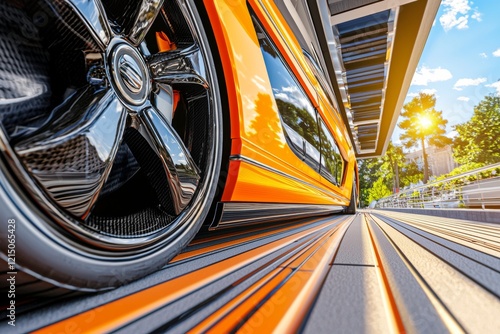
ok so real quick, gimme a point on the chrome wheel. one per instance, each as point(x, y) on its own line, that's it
point(116, 136)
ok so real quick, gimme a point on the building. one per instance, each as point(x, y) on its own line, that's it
point(440, 160)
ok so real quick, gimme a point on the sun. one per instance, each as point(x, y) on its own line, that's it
point(425, 122)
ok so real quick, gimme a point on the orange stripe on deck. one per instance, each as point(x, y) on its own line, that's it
point(291, 303)
point(256, 228)
point(395, 316)
point(118, 313)
point(223, 245)
point(290, 289)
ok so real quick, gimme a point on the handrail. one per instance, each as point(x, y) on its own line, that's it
point(479, 188)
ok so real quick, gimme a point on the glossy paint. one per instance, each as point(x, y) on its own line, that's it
point(256, 130)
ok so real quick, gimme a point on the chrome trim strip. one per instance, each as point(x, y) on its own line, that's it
point(237, 214)
point(238, 157)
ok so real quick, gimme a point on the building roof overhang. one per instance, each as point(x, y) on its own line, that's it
point(372, 49)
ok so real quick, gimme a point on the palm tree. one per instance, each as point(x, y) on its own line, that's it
point(423, 124)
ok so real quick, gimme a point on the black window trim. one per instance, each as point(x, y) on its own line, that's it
point(300, 152)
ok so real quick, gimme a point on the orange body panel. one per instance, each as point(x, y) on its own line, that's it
point(277, 174)
point(257, 183)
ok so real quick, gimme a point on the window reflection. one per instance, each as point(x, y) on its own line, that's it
point(332, 164)
point(297, 112)
point(305, 131)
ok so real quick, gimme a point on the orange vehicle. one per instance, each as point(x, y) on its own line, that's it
point(126, 126)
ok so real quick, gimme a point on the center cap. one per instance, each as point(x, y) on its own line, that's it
point(129, 74)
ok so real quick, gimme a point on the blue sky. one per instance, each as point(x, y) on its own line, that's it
point(460, 63)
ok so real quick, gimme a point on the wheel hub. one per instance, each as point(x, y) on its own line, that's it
point(128, 73)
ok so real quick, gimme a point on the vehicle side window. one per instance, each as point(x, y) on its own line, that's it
point(295, 108)
point(332, 163)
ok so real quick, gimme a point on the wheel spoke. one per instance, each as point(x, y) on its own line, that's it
point(182, 174)
point(94, 16)
point(163, 101)
point(148, 11)
point(72, 154)
point(184, 66)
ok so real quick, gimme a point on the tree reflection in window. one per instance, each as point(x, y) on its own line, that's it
point(296, 110)
point(332, 164)
point(306, 133)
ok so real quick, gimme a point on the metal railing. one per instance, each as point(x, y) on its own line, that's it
point(479, 188)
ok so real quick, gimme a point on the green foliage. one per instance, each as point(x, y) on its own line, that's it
point(394, 159)
point(478, 139)
point(462, 169)
point(383, 170)
point(368, 174)
point(378, 190)
point(457, 183)
point(420, 106)
point(422, 124)
point(410, 173)
point(477, 145)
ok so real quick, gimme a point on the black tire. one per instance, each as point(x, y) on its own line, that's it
point(97, 196)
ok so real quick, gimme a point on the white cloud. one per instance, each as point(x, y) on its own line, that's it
point(457, 14)
point(292, 95)
point(495, 85)
point(466, 82)
point(463, 98)
point(496, 53)
point(476, 16)
point(430, 91)
point(424, 75)
point(484, 55)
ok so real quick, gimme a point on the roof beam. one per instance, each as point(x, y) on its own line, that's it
point(367, 10)
point(417, 18)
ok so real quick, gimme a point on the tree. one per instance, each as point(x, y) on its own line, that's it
point(478, 139)
point(378, 191)
point(368, 174)
point(395, 159)
point(422, 124)
point(378, 175)
point(410, 173)
point(383, 169)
